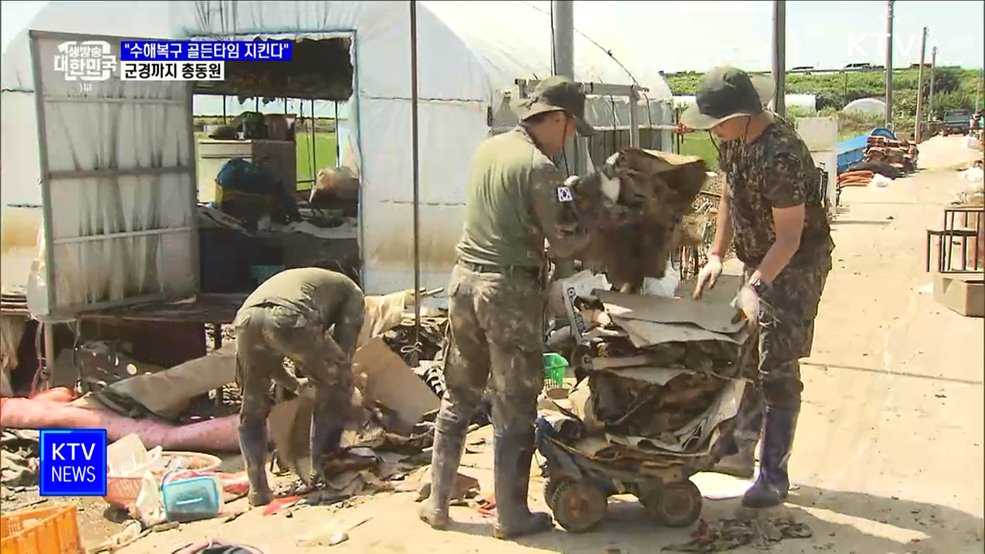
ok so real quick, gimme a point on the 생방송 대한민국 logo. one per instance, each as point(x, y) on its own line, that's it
point(73, 462)
point(91, 60)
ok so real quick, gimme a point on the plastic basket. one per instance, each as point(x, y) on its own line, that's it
point(53, 530)
point(122, 492)
point(555, 369)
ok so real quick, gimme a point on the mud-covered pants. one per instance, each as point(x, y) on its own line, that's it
point(265, 335)
point(496, 338)
point(785, 334)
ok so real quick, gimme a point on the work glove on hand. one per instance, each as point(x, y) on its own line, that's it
point(747, 301)
point(708, 276)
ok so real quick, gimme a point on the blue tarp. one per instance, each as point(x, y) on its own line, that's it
point(850, 152)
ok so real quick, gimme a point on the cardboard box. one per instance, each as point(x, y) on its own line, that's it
point(961, 292)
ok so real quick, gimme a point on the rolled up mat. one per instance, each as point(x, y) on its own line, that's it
point(50, 410)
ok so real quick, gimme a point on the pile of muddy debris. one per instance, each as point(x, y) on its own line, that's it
point(657, 373)
point(659, 376)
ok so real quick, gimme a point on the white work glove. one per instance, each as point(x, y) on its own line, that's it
point(747, 301)
point(708, 276)
point(611, 185)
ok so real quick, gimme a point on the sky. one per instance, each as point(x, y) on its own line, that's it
point(700, 35)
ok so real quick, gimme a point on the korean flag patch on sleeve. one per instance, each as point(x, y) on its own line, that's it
point(564, 194)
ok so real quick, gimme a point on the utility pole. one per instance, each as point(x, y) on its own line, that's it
point(919, 116)
point(416, 181)
point(930, 99)
point(563, 57)
point(978, 91)
point(563, 25)
point(889, 64)
point(779, 56)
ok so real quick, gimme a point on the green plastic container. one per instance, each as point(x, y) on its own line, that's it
point(555, 368)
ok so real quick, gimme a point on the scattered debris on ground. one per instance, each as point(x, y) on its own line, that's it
point(729, 534)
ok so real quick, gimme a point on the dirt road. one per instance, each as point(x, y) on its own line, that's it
point(889, 451)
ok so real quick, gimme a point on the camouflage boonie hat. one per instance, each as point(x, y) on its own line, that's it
point(554, 94)
point(726, 93)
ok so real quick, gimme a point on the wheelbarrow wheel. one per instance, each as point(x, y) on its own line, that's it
point(578, 505)
point(550, 486)
point(674, 505)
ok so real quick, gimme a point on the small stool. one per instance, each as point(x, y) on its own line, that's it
point(943, 260)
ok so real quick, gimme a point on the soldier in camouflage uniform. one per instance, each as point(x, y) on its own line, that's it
point(773, 208)
point(517, 197)
point(289, 315)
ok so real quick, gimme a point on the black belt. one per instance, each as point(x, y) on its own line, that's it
point(502, 269)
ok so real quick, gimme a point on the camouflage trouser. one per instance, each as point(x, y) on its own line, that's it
point(771, 356)
point(265, 335)
point(495, 322)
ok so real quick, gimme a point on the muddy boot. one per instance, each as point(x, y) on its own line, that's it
point(511, 466)
point(328, 418)
point(773, 482)
point(446, 455)
point(253, 444)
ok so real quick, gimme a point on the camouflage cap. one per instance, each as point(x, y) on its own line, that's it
point(726, 93)
point(554, 94)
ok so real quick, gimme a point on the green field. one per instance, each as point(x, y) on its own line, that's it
point(325, 144)
point(954, 87)
point(699, 144)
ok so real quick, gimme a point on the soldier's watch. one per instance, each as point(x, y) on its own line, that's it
point(759, 285)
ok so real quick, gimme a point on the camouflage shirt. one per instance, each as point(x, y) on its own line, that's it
point(774, 171)
point(516, 199)
point(318, 294)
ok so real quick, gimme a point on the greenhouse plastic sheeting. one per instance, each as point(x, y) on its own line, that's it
point(469, 54)
point(120, 190)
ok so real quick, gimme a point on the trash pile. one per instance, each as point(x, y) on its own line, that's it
point(156, 465)
point(19, 457)
point(657, 371)
point(663, 387)
point(657, 375)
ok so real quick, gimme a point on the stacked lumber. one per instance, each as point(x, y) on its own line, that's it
point(858, 178)
point(894, 152)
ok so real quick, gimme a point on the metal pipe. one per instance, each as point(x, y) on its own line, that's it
point(919, 116)
point(634, 130)
point(563, 62)
point(49, 354)
point(930, 99)
point(416, 178)
point(314, 162)
point(779, 55)
point(889, 64)
point(978, 90)
point(47, 220)
point(563, 25)
point(338, 145)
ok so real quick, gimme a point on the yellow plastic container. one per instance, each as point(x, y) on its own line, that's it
point(53, 530)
